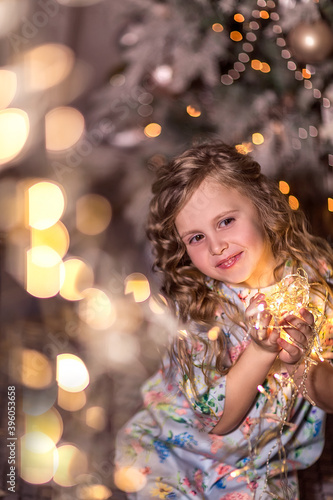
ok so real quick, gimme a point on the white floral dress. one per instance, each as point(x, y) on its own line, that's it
point(169, 440)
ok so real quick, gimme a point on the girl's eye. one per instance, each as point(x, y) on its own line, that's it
point(195, 239)
point(226, 222)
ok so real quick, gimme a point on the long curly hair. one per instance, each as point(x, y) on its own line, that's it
point(184, 286)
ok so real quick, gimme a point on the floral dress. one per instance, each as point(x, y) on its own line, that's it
point(169, 444)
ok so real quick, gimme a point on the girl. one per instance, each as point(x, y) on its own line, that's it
point(238, 406)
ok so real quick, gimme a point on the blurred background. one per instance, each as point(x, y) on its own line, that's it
point(94, 97)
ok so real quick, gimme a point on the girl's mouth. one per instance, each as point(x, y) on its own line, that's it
point(227, 263)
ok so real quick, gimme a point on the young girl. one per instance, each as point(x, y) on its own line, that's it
point(238, 406)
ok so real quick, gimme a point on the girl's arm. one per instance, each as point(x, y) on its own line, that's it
point(243, 378)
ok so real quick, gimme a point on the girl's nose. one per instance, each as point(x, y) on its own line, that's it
point(217, 246)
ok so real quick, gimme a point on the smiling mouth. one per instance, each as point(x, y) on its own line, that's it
point(227, 263)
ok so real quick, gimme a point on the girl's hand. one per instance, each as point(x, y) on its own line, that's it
point(300, 331)
point(258, 319)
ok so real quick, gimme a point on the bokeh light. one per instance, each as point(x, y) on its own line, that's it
point(293, 202)
point(96, 309)
point(257, 138)
point(38, 458)
point(14, 131)
point(8, 87)
point(213, 333)
point(34, 368)
point(36, 402)
point(239, 18)
point(330, 204)
point(129, 479)
point(93, 492)
point(47, 65)
point(236, 36)
point(44, 272)
point(46, 204)
point(138, 285)
point(64, 126)
point(158, 304)
point(72, 463)
point(55, 237)
point(71, 401)
point(284, 187)
point(217, 27)
point(96, 417)
point(78, 277)
point(49, 423)
point(93, 214)
point(72, 374)
point(153, 130)
point(193, 111)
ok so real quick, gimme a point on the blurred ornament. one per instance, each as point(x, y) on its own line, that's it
point(311, 43)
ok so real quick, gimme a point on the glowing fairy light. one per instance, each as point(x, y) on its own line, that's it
point(257, 138)
point(158, 304)
point(72, 374)
point(193, 111)
point(14, 132)
point(153, 130)
point(330, 204)
point(96, 309)
point(8, 87)
point(38, 458)
point(293, 202)
point(55, 237)
point(236, 36)
point(129, 479)
point(49, 423)
point(138, 285)
point(93, 214)
point(72, 463)
point(284, 187)
point(35, 370)
point(239, 18)
point(46, 204)
point(71, 401)
point(64, 126)
point(213, 333)
point(217, 27)
point(44, 272)
point(78, 277)
point(244, 148)
point(93, 492)
point(96, 417)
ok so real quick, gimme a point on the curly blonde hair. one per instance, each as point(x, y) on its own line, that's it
point(183, 284)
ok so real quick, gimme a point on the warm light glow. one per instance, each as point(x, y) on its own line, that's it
point(46, 204)
point(35, 369)
point(71, 401)
point(96, 309)
point(236, 36)
point(96, 417)
point(284, 187)
point(256, 64)
point(64, 126)
point(72, 374)
point(47, 65)
point(44, 272)
point(330, 204)
point(8, 87)
point(309, 41)
point(55, 237)
point(14, 131)
point(38, 458)
point(192, 111)
point(213, 333)
point(293, 202)
point(306, 73)
point(137, 284)
point(244, 148)
point(49, 423)
point(72, 463)
point(129, 479)
point(93, 214)
point(257, 138)
point(78, 277)
point(93, 492)
point(264, 14)
point(217, 27)
point(265, 68)
point(239, 18)
point(153, 130)
point(158, 305)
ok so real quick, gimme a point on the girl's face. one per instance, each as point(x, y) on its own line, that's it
point(224, 237)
